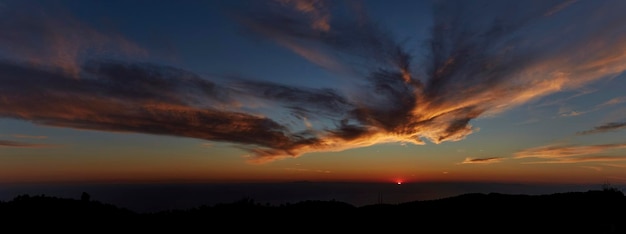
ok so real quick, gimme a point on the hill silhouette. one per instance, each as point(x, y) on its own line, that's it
point(594, 211)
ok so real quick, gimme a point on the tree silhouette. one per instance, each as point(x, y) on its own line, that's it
point(85, 197)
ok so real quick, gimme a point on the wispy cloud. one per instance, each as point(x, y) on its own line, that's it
point(490, 160)
point(615, 165)
point(561, 101)
point(608, 127)
point(479, 62)
point(316, 11)
point(17, 144)
point(571, 153)
point(28, 136)
point(568, 112)
point(571, 113)
point(560, 7)
point(562, 151)
point(308, 170)
point(595, 168)
point(581, 159)
point(47, 36)
point(614, 101)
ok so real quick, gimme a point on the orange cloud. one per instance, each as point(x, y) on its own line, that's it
point(482, 160)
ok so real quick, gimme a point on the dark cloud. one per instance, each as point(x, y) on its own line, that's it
point(608, 127)
point(113, 96)
point(482, 58)
point(302, 100)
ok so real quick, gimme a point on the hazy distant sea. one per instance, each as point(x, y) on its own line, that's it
point(158, 197)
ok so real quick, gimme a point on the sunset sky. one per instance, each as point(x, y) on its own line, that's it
point(117, 91)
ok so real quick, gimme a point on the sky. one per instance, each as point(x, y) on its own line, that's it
point(304, 90)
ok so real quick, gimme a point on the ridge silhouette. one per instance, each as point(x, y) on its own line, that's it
point(594, 211)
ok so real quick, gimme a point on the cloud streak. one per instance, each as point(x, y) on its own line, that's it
point(479, 62)
point(614, 101)
point(28, 136)
point(608, 127)
point(571, 153)
point(17, 144)
point(597, 158)
point(489, 160)
point(567, 112)
point(560, 7)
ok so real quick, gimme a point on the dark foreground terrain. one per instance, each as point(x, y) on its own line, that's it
point(601, 211)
